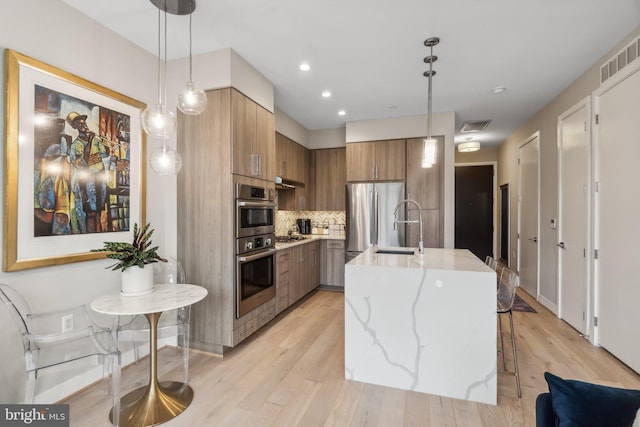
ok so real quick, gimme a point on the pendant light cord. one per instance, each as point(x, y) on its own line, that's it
point(165, 70)
point(159, 79)
point(190, 61)
point(429, 95)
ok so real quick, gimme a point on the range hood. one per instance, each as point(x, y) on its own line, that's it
point(287, 184)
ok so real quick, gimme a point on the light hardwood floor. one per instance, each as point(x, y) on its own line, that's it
point(291, 373)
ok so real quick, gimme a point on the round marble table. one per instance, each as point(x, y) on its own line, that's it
point(157, 402)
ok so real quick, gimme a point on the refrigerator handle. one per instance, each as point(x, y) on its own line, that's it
point(376, 217)
point(372, 234)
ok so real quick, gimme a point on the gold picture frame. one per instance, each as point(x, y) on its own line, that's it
point(74, 165)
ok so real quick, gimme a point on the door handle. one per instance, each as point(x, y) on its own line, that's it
point(560, 245)
point(533, 239)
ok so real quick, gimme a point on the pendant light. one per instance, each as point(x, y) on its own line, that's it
point(156, 120)
point(191, 100)
point(429, 144)
point(165, 160)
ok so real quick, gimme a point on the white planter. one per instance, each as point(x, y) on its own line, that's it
point(137, 281)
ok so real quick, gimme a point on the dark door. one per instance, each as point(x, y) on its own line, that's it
point(474, 209)
point(504, 223)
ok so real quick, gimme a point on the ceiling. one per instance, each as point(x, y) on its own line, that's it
point(369, 54)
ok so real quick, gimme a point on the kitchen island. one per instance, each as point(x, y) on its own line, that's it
point(422, 322)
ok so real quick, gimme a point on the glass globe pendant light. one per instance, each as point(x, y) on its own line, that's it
point(191, 100)
point(156, 120)
point(165, 160)
point(429, 144)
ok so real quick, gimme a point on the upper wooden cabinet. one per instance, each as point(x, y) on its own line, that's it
point(376, 160)
point(253, 138)
point(424, 185)
point(330, 179)
point(291, 159)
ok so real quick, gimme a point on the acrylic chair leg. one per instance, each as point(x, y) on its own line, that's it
point(185, 352)
point(515, 354)
point(136, 352)
point(30, 388)
point(504, 360)
point(115, 384)
point(107, 371)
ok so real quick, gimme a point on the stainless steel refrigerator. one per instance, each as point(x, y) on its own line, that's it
point(370, 218)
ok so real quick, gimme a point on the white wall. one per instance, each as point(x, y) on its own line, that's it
point(415, 127)
point(54, 33)
point(291, 129)
point(327, 138)
point(545, 121)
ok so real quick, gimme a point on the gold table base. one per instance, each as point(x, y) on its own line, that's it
point(150, 406)
point(156, 402)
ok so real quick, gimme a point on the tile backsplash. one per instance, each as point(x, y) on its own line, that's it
point(330, 222)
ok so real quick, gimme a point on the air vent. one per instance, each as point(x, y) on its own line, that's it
point(474, 126)
point(619, 61)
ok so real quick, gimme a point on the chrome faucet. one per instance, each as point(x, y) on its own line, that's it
point(407, 221)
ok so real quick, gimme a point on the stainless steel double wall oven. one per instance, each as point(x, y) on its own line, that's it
point(255, 252)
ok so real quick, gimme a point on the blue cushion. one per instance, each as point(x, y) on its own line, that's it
point(580, 404)
point(545, 417)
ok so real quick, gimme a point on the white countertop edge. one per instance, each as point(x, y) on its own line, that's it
point(308, 239)
point(432, 259)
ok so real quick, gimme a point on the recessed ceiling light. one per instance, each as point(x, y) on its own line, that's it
point(498, 89)
point(342, 113)
point(326, 94)
point(305, 67)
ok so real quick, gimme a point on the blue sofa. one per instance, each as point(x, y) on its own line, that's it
point(572, 403)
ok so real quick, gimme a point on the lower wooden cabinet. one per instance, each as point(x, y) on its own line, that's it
point(332, 263)
point(297, 273)
point(282, 280)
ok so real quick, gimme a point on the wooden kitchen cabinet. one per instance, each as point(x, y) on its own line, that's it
point(205, 220)
point(291, 158)
point(332, 263)
point(283, 275)
point(424, 185)
point(253, 138)
point(266, 143)
point(297, 273)
point(330, 179)
point(313, 266)
point(376, 160)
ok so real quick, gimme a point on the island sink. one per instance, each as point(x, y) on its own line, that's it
point(396, 251)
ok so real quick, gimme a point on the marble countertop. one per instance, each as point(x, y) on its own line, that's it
point(432, 258)
point(162, 298)
point(309, 238)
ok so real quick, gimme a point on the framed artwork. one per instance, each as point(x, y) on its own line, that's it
point(74, 166)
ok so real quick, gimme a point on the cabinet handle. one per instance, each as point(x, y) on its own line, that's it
point(258, 164)
point(254, 164)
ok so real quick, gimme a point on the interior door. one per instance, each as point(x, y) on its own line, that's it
point(474, 209)
point(573, 162)
point(504, 223)
point(617, 225)
point(528, 215)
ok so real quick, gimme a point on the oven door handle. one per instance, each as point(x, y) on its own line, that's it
point(256, 204)
point(254, 257)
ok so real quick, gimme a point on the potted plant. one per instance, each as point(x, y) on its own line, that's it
point(132, 259)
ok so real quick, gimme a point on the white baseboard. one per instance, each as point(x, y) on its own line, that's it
point(548, 304)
